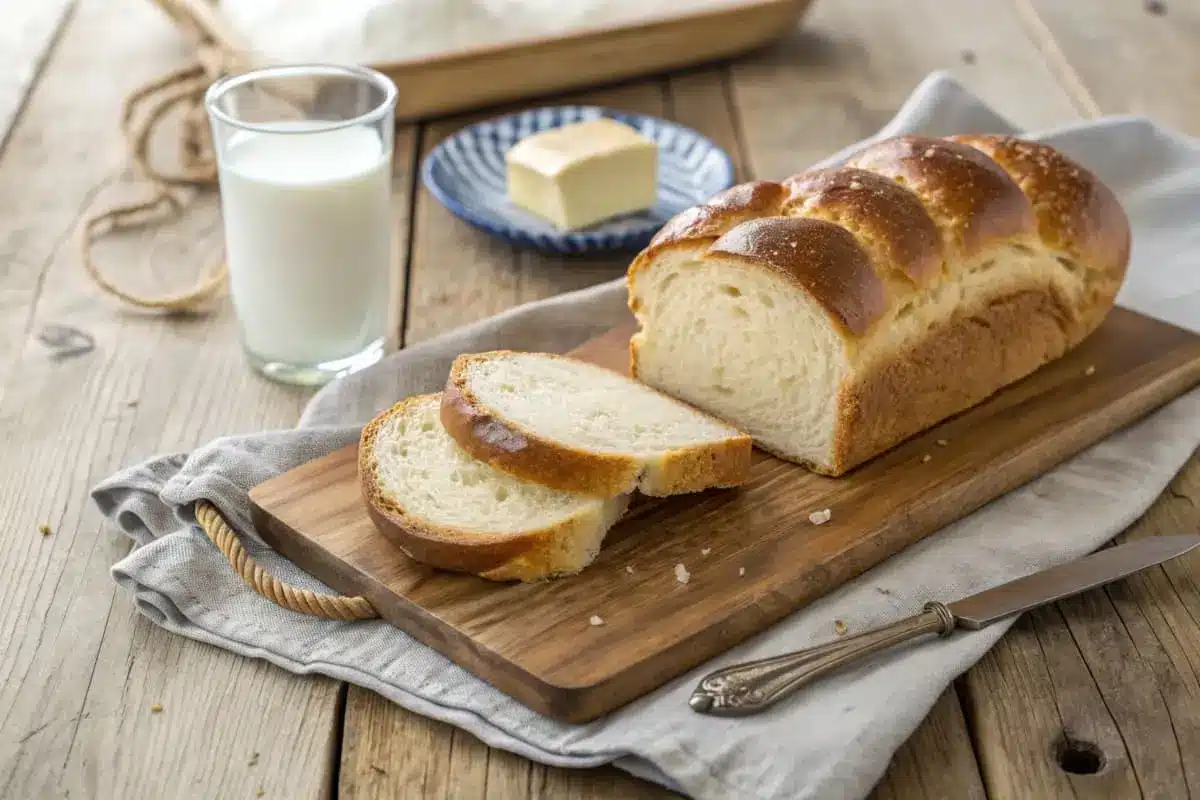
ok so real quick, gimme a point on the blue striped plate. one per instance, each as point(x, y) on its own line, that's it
point(467, 174)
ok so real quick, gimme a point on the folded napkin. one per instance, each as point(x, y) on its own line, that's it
point(835, 738)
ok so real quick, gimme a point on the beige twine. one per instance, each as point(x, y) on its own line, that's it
point(326, 606)
point(217, 53)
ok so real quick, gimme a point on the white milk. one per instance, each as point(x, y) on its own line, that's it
point(308, 237)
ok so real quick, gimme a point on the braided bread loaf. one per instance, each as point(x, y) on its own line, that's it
point(838, 312)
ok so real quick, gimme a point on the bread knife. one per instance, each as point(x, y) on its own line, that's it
point(748, 688)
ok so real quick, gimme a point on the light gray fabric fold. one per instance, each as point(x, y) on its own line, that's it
point(835, 739)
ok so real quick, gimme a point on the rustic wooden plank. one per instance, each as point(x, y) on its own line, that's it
point(844, 74)
point(80, 671)
point(388, 752)
point(1135, 57)
point(937, 761)
point(27, 37)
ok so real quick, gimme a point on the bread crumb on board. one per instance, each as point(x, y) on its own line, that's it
point(839, 627)
point(705, 551)
point(1091, 370)
point(820, 517)
point(741, 571)
point(942, 442)
point(44, 529)
point(629, 570)
point(925, 459)
point(156, 708)
point(596, 620)
point(681, 573)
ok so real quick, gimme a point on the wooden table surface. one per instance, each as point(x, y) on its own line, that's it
point(1096, 696)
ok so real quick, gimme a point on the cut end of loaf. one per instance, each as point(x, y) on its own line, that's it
point(957, 267)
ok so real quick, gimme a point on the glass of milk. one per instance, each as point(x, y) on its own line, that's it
point(304, 156)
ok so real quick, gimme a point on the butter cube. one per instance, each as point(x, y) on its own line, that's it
point(580, 174)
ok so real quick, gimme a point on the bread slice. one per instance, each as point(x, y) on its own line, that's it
point(577, 427)
point(446, 509)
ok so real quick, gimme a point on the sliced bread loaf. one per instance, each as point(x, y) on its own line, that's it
point(446, 509)
point(577, 427)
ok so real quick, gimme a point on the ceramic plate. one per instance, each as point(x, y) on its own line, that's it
point(466, 172)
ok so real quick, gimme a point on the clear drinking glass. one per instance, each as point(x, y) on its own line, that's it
point(304, 155)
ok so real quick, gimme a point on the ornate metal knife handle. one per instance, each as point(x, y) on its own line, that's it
point(744, 689)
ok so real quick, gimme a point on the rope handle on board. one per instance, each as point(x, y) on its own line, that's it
point(325, 606)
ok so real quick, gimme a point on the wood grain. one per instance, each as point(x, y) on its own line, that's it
point(847, 71)
point(655, 628)
point(1107, 56)
point(438, 760)
point(27, 37)
point(936, 761)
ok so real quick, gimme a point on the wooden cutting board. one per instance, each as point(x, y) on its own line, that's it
point(535, 642)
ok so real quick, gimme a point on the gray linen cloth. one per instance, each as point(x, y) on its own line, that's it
point(833, 740)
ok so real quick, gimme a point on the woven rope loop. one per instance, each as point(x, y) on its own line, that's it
point(325, 606)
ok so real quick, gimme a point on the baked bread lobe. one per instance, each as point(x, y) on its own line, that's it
point(444, 508)
point(577, 427)
point(840, 311)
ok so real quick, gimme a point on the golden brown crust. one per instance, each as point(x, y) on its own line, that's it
point(971, 198)
point(1076, 214)
point(888, 220)
point(531, 555)
point(820, 257)
point(518, 451)
point(722, 212)
point(954, 366)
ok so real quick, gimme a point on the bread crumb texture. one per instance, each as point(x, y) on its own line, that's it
point(681, 573)
point(820, 517)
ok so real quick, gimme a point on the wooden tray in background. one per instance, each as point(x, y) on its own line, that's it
point(535, 641)
point(486, 76)
point(473, 78)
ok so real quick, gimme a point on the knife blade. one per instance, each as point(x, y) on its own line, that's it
point(751, 687)
point(1103, 566)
